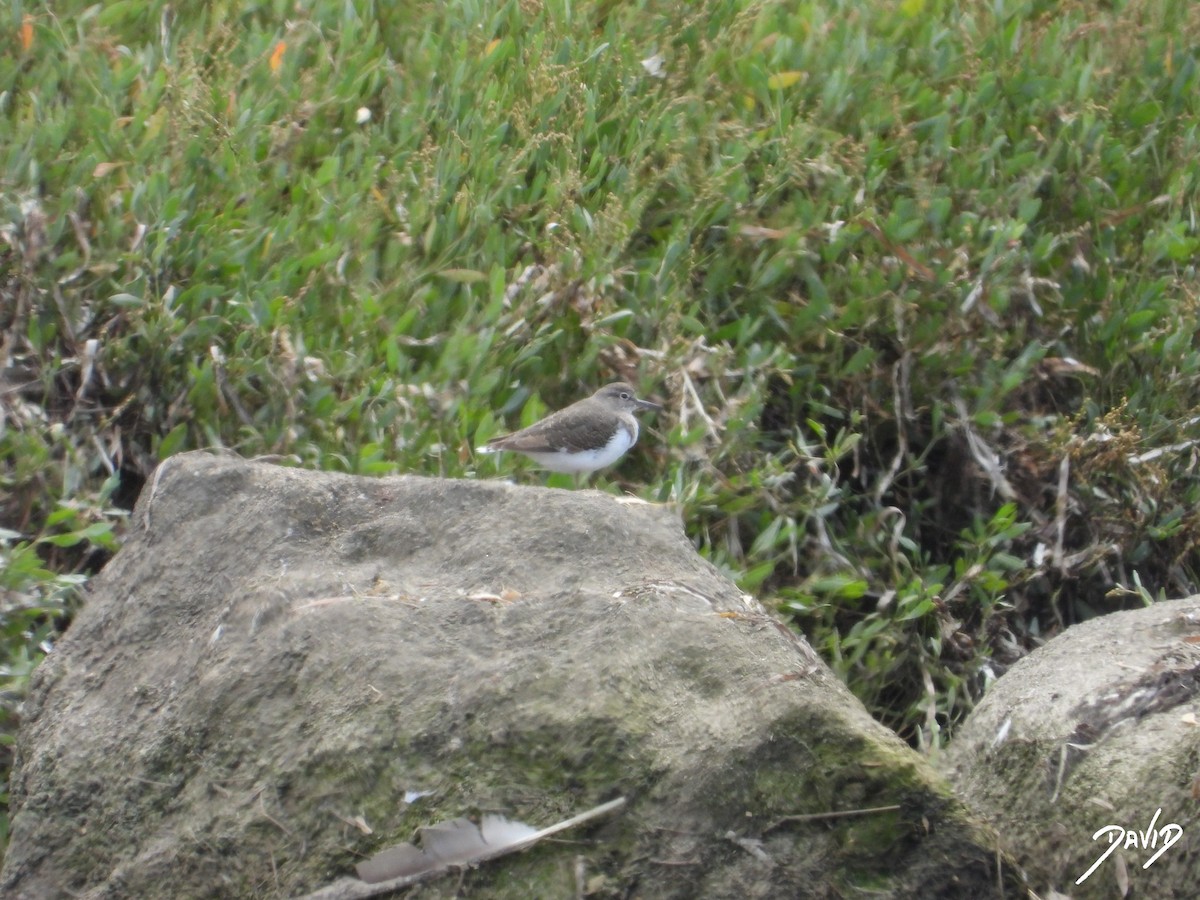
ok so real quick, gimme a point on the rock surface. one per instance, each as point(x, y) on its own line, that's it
point(1097, 730)
point(283, 671)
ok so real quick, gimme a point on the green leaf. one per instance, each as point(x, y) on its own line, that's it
point(172, 442)
point(70, 539)
point(462, 276)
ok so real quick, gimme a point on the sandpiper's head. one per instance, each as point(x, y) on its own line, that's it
point(621, 397)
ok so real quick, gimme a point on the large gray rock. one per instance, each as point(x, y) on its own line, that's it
point(1091, 738)
point(283, 671)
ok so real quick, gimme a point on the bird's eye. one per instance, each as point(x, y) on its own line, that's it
point(624, 395)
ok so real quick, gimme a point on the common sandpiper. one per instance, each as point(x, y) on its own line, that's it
point(584, 437)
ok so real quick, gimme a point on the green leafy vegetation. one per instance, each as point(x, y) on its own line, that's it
point(917, 282)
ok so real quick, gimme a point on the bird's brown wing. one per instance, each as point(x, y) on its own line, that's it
point(572, 430)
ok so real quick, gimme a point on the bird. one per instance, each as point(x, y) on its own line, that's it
point(586, 436)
